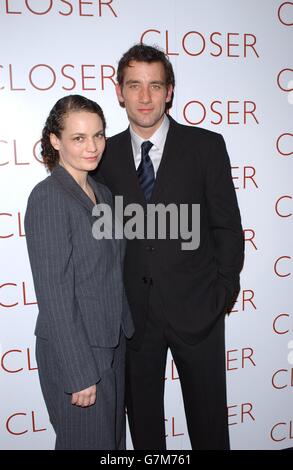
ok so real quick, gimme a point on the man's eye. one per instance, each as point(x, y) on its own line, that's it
point(78, 139)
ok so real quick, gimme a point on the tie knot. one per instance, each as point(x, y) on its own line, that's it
point(146, 147)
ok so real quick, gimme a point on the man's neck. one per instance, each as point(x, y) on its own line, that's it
point(146, 132)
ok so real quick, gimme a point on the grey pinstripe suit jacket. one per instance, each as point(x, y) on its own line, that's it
point(78, 279)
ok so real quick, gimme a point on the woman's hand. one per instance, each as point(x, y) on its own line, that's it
point(86, 397)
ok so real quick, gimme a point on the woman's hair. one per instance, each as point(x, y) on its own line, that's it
point(55, 124)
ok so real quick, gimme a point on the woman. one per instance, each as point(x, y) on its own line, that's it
point(83, 312)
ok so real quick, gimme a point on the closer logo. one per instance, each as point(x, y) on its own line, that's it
point(44, 77)
point(18, 360)
point(281, 204)
point(66, 7)
point(10, 153)
point(284, 82)
point(282, 431)
point(171, 429)
point(283, 378)
point(285, 13)
point(245, 297)
point(249, 236)
point(277, 270)
point(283, 144)
point(230, 112)
point(195, 43)
point(171, 372)
point(246, 176)
point(8, 292)
point(241, 358)
point(11, 225)
point(239, 414)
point(20, 423)
point(283, 325)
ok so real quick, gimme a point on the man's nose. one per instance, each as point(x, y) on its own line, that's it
point(145, 96)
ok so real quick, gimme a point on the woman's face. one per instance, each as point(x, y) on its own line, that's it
point(82, 142)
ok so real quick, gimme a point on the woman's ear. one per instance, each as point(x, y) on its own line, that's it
point(55, 142)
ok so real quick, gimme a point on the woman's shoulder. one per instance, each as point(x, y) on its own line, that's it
point(45, 189)
point(46, 202)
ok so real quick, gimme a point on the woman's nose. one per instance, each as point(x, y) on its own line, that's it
point(91, 145)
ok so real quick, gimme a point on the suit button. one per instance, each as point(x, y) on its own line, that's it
point(147, 280)
point(149, 248)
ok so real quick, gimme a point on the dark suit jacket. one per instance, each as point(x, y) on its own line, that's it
point(194, 286)
point(78, 279)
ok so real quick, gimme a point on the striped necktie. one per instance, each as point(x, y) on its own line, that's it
point(145, 171)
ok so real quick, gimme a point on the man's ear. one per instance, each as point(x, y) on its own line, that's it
point(169, 94)
point(55, 142)
point(119, 94)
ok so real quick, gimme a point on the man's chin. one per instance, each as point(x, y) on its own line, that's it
point(147, 122)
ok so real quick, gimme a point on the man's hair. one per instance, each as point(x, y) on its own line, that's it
point(143, 53)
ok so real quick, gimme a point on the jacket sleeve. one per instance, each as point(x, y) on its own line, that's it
point(48, 234)
point(224, 219)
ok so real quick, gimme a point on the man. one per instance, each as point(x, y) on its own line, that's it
point(177, 297)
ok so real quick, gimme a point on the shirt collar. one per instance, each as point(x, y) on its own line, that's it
point(158, 138)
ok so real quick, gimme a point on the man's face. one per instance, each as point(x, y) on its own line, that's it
point(144, 94)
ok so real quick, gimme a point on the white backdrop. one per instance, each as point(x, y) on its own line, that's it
point(232, 61)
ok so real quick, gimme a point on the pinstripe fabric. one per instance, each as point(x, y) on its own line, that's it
point(78, 284)
point(101, 426)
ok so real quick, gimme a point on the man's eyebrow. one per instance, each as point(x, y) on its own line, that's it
point(158, 82)
point(132, 81)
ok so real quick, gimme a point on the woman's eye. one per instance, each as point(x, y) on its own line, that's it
point(99, 136)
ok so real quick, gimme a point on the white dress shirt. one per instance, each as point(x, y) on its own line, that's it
point(158, 140)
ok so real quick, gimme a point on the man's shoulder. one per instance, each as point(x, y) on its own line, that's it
point(195, 131)
point(116, 139)
point(185, 131)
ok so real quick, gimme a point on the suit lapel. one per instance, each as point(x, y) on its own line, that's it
point(72, 187)
point(128, 170)
point(170, 156)
point(123, 166)
point(95, 187)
